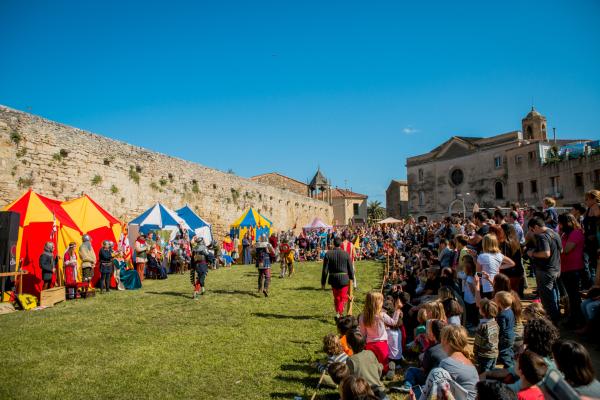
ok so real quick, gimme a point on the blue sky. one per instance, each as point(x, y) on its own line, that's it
point(355, 87)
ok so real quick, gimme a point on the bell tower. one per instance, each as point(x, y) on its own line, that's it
point(534, 126)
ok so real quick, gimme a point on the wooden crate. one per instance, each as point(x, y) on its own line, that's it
point(50, 297)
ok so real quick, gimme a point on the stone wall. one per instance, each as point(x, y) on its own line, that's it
point(63, 162)
point(283, 182)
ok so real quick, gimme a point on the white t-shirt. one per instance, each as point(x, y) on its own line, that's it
point(394, 339)
point(468, 295)
point(490, 263)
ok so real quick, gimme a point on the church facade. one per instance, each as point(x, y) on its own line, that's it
point(494, 171)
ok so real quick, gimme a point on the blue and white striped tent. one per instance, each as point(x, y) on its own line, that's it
point(160, 217)
point(198, 226)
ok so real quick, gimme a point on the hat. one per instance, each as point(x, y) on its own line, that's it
point(72, 244)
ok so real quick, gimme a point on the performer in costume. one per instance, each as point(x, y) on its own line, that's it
point(246, 249)
point(199, 267)
point(348, 247)
point(338, 271)
point(48, 264)
point(126, 278)
point(286, 253)
point(263, 263)
point(88, 259)
point(141, 251)
point(70, 266)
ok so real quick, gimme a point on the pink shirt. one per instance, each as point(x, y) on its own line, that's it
point(377, 332)
point(573, 260)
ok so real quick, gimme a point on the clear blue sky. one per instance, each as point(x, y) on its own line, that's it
point(352, 86)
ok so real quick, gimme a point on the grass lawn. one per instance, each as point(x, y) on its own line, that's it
point(158, 343)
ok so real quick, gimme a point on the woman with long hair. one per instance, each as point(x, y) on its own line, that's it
point(571, 264)
point(491, 261)
point(372, 323)
point(511, 248)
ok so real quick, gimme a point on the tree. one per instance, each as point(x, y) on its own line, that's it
point(375, 211)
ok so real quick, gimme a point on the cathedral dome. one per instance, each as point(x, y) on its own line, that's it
point(534, 114)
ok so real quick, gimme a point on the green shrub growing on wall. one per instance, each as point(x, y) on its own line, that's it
point(96, 180)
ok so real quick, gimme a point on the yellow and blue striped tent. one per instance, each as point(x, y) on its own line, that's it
point(253, 223)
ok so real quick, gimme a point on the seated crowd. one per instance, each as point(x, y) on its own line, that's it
point(441, 291)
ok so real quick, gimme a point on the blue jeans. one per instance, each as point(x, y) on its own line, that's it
point(486, 364)
point(548, 292)
point(506, 357)
point(590, 308)
point(414, 376)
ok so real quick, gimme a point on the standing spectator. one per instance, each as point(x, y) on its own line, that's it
point(571, 265)
point(512, 219)
point(591, 225)
point(483, 229)
point(106, 265)
point(506, 323)
point(446, 254)
point(491, 261)
point(485, 345)
point(550, 214)
point(545, 259)
point(511, 248)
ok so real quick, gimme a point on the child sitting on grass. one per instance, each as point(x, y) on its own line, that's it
point(453, 311)
point(333, 348)
point(485, 345)
point(364, 364)
point(344, 325)
point(506, 323)
point(531, 369)
point(420, 343)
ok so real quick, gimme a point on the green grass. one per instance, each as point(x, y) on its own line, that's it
point(158, 343)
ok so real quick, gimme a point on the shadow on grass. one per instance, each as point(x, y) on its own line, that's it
point(294, 317)
point(236, 292)
point(175, 294)
point(298, 367)
point(307, 288)
point(308, 381)
point(285, 395)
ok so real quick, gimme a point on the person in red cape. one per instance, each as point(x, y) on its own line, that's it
point(70, 267)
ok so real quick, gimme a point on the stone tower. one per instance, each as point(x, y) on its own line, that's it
point(319, 187)
point(534, 126)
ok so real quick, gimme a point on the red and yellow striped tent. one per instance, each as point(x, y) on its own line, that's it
point(42, 220)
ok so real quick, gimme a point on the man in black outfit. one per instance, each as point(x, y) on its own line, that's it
point(338, 271)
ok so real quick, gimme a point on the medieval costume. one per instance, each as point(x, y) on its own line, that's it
point(263, 263)
point(348, 247)
point(106, 265)
point(141, 251)
point(199, 268)
point(88, 259)
point(48, 264)
point(126, 278)
point(70, 266)
point(286, 254)
point(246, 250)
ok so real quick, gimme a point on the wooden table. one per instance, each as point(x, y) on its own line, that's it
point(15, 274)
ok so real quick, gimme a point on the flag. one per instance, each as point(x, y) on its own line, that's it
point(54, 228)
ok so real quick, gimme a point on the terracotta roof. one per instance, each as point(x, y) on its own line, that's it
point(347, 194)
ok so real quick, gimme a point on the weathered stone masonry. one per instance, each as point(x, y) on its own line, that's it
point(63, 162)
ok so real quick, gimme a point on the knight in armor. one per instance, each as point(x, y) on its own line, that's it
point(199, 268)
point(263, 263)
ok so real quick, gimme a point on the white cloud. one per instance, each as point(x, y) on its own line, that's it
point(409, 130)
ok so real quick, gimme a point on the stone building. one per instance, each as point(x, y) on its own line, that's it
point(283, 182)
point(396, 199)
point(498, 170)
point(63, 162)
point(348, 207)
